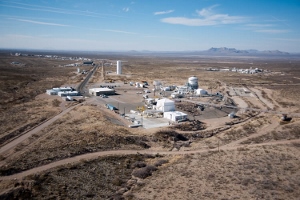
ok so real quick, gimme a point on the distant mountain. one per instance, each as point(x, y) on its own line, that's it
point(225, 50)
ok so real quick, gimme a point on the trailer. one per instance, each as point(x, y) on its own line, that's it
point(110, 107)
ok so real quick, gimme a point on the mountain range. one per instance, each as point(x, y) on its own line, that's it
point(225, 50)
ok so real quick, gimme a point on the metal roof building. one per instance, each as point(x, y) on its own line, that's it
point(99, 91)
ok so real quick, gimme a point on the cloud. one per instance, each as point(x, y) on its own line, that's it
point(206, 17)
point(126, 9)
point(272, 31)
point(163, 12)
point(38, 22)
point(164, 37)
point(53, 9)
point(119, 31)
point(265, 28)
point(259, 25)
point(287, 39)
point(18, 36)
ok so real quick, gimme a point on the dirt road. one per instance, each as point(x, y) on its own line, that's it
point(95, 155)
point(4, 149)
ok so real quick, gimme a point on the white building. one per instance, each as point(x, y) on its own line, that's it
point(201, 92)
point(99, 91)
point(55, 91)
point(165, 105)
point(61, 89)
point(175, 116)
point(68, 93)
point(51, 92)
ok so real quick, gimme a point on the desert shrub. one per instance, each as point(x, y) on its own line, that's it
point(144, 172)
point(55, 103)
point(166, 134)
point(160, 162)
point(138, 164)
point(117, 181)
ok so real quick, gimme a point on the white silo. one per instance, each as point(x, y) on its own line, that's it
point(119, 67)
point(78, 70)
point(193, 82)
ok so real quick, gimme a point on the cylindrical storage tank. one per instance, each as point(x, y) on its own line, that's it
point(78, 70)
point(193, 82)
point(119, 67)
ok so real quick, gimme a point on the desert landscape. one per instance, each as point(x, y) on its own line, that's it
point(238, 140)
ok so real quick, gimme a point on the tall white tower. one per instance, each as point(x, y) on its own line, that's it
point(119, 67)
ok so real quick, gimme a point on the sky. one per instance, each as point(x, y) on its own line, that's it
point(154, 25)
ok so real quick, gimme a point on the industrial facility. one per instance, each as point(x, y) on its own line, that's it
point(63, 92)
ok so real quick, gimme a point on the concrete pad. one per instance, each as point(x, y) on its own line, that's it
point(150, 122)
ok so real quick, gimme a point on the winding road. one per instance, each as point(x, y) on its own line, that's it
point(95, 155)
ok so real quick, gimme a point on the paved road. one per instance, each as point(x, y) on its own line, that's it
point(81, 86)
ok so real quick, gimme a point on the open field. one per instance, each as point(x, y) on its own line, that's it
point(210, 156)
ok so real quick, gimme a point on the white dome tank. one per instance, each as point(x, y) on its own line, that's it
point(193, 82)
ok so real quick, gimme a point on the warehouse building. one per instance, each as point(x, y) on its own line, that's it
point(100, 91)
point(165, 105)
point(55, 91)
point(68, 93)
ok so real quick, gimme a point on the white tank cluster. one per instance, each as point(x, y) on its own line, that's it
point(193, 82)
point(119, 67)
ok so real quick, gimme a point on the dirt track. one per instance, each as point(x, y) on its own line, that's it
point(4, 149)
point(128, 152)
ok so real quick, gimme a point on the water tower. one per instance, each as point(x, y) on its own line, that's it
point(119, 67)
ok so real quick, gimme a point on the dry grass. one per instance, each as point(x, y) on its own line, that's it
point(288, 132)
point(261, 173)
point(22, 117)
point(80, 131)
point(102, 178)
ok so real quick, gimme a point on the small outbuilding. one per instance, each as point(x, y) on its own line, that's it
point(201, 92)
point(175, 116)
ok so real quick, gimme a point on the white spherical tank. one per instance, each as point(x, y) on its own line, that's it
point(119, 67)
point(193, 82)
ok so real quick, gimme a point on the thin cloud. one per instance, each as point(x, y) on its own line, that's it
point(19, 36)
point(259, 25)
point(206, 18)
point(286, 39)
point(38, 22)
point(163, 12)
point(126, 9)
point(119, 31)
point(174, 38)
point(53, 9)
point(272, 31)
